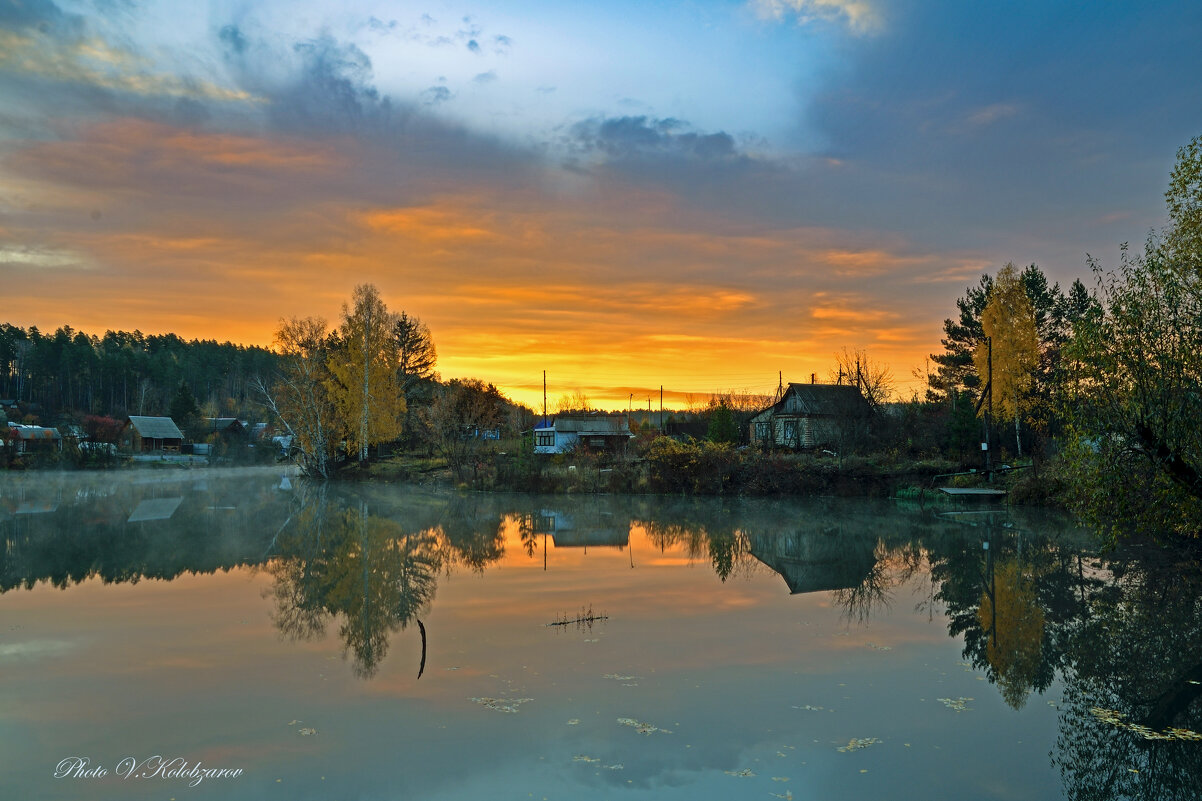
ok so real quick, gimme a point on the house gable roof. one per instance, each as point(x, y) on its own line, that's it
point(155, 427)
point(819, 400)
point(591, 425)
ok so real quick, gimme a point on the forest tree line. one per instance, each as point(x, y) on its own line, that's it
point(120, 373)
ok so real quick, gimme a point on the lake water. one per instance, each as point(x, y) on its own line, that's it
point(392, 643)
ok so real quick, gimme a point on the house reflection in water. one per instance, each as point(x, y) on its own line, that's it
point(816, 561)
point(600, 530)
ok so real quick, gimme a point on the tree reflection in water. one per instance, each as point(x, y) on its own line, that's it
point(338, 560)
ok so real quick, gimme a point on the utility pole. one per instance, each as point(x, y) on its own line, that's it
point(544, 398)
point(989, 413)
point(661, 407)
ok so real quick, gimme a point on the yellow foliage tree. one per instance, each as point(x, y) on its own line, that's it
point(298, 395)
point(1014, 622)
point(364, 384)
point(1009, 322)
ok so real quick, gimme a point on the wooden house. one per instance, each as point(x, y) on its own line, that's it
point(30, 439)
point(148, 434)
point(597, 432)
point(810, 416)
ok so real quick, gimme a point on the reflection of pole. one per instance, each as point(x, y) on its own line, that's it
point(990, 590)
point(544, 551)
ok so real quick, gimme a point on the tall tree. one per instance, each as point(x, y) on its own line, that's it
point(1138, 459)
point(954, 370)
point(416, 354)
point(298, 395)
point(1183, 240)
point(1009, 323)
point(364, 382)
point(183, 409)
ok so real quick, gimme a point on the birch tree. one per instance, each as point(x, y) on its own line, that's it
point(298, 396)
point(364, 384)
point(1009, 322)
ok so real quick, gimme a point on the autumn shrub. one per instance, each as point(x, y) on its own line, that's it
point(696, 467)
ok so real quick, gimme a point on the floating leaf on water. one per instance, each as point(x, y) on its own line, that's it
point(809, 708)
point(780, 778)
point(641, 727)
point(501, 704)
point(957, 704)
point(615, 766)
point(574, 722)
point(876, 647)
point(307, 732)
point(293, 722)
point(1115, 718)
point(742, 774)
point(616, 677)
point(855, 744)
point(584, 758)
point(787, 795)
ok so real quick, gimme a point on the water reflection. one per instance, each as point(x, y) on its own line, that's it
point(338, 560)
point(1036, 609)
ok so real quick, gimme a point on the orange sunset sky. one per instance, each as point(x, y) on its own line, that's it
point(697, 195)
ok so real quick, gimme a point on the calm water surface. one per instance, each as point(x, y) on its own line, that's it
point(387, 643)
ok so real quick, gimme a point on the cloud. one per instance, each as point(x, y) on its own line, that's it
point(92, 62)
point(436, 94)
point(859, 16)
point(485, 77)
point(627, 138)
point(991, 114)
point(473, 46)
point(26, 256)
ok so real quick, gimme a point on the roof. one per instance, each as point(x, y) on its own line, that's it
point(155, 427)
point(224, 423)
point(819, 400)
point(154, 509)
point(34, 432)
point(590, 425)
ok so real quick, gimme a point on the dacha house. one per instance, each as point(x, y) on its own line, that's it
point(149, 434)
point(598, 432)
point(810, 416)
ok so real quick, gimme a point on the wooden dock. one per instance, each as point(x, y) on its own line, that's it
point(973, 492)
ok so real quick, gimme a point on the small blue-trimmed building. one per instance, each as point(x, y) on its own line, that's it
point(596, 432)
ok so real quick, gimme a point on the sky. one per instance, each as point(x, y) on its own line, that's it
point(703, 196)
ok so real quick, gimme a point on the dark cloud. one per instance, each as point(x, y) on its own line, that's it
point(502, 44)
point(381, 26)
point(636, 138)
point(485, 77)
point(473, 46)
point(233, 40)
point(436, 94)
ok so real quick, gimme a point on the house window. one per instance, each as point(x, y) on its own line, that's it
point(790, 431)
point(761, 431)
point(544, 439)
